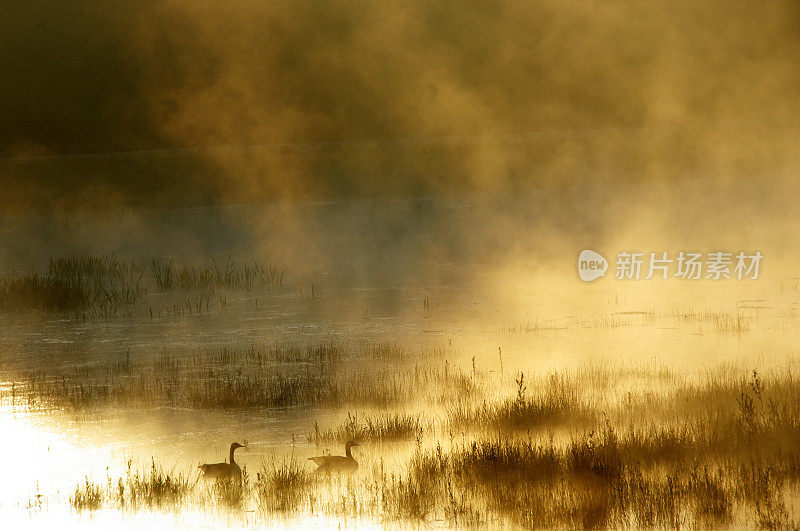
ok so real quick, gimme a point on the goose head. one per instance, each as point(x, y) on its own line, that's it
point(348, 445)
point(234, 446)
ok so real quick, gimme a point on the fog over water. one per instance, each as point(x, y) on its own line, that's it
point(295, 223)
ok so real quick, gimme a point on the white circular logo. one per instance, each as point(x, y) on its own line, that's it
point(591, 265)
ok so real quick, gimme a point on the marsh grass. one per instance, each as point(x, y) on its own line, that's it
point(608, 477)
point(374, 428)
point(284, 487)
point(715, 321)
point(727, 463)
point(613, 320)
point(87, 496)
point(702, 321)
point(230, 493)
point(725, 409)
point(557, 401)
point(152, 488)
point(586, 448)
point(254, 376)
point(155, 487)
point(590, 482)
point(105, 286)
point(247, 277)
point(102, 285)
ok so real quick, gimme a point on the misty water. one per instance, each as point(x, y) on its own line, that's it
point(296, 224)
point(411, 273)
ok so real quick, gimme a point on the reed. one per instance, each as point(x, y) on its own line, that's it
point(105, 286)
point(375, 428)
point(151, 488)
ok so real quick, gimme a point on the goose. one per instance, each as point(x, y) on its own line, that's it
point(224, 470)
point(327, 464)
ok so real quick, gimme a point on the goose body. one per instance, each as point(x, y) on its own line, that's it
point(337, 464)
point(223, 471)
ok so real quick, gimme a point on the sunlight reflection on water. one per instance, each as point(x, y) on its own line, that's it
point(539, 327)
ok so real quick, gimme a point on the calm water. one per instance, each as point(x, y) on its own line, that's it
point(371, 285)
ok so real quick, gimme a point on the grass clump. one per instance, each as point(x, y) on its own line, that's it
point(607, 477)
point(154, 488)
point(230, 493)
point(101, 287)
point(102, 284)
point(557, 401)
point(245, 277)
point(87, 496)
point(283, 487)
point(590, 482)
point(377, 428)
point(255, 376)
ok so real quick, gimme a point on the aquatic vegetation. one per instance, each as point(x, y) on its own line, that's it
point(152, 488)
point(105, 286)
point(245, 376)
point(730, 457)
point(155, 487)
point(247, 277)
point(87, 496)
point(102, 285)
point(557, 401)
point(230, 493)
point(380, 427)
point(581, 448)
point(284, 486)
point(609, 477)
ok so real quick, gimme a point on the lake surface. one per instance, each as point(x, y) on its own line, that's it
point(400, 272)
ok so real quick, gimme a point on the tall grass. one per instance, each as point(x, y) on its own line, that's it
point(557, 400)
point(592, 481)
point(107, 285)
point(87, 496)
point(254, 376)
point(247, 277)
point(601, 478)
point(283, 487)
point(585, 448)
point(104, 284)
point(152, 488)
point(375, 428)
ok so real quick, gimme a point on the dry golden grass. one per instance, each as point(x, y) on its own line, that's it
point(717, 451)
